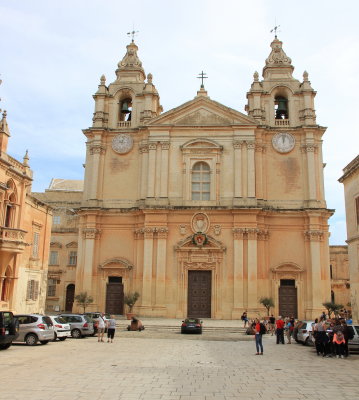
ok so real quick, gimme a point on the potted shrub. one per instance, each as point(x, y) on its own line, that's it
point(130, 300)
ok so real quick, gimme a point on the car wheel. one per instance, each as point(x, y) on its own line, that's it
point(62, 338)
point(76, 333)
point(5, 346)
point(31, 339)
point(44, 341)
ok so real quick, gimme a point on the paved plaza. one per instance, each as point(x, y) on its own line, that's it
point(166, 365)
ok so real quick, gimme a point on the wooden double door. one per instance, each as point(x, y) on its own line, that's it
point(288, 306)
point(114, 298)
point(199, 294)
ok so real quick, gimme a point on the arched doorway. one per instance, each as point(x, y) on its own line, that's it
point(287, 288)
point(70, 297)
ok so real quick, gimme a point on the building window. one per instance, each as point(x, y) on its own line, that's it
point(51, 287)
point(32, 290)
point(357, 208)
point(54, 258)
point(332, 296)
point(35, 245)
point(56, 219)
point(331, 271)
point(201, 181)
point(73, 258)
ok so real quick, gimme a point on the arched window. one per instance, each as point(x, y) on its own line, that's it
point(5, 286)
point(332, 296)
point(201, 181)
point(10, 211)
point(281, 107)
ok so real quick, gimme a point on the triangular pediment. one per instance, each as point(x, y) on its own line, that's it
point(202, 111)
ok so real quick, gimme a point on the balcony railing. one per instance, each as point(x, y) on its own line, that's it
point(281, 122)
point(124, 124)
point(12, 239)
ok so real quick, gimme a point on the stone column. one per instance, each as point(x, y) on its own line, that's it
point(164, 169)
point(151, 172)
point(89, 237)
point(161, 266)
point(315, 237)
point(147, 267)
point(144, 170)
point(251, 177)
point(252, 269)
point(238, 289)
point(310, 149)
point(96, 150)
point(260, 149)
point(237, 144)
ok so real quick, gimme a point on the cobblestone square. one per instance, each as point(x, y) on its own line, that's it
point(170, 366)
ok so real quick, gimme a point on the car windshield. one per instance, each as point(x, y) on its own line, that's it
point(60, 320)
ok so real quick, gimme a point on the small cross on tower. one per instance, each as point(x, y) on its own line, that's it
point(202, 76)
point(133, 33)
point(275, 29)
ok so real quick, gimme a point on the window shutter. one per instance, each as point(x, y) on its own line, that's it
point(36, 290)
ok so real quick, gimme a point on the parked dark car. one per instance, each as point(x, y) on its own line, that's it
point(191, 325)
point(9, 329)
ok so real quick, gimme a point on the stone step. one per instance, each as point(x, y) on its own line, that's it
point(213, 329)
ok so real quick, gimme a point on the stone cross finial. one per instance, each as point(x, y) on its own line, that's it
point(26, 158)
point(202, 76)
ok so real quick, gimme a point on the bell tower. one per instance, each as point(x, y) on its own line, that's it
point(120, 109)
point(280, 100)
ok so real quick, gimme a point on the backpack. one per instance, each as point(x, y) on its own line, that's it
point(262, 329)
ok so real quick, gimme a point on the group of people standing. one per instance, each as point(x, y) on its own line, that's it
point(102, 323)
point(331, 337)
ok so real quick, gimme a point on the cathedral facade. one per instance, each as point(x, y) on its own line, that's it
point(203, 209)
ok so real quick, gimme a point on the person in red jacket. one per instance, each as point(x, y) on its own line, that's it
point(280, 330)
point(258, 336)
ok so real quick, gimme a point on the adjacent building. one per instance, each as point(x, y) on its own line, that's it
point(25, 228)
point(350, 179)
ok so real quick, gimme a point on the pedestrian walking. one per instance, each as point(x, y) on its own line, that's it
point(288, 330)
point(280, 330)
point(101, 328)
point(111, 327)
point(260, 329)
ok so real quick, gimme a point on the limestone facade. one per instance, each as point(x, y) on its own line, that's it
point(350, 179)
point(64, 197)
point(203, 209)
point(25, 227)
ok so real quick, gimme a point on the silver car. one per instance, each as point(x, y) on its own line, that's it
point(81, 325)
point(35, 328)
point(61, 327)
point(304, 330)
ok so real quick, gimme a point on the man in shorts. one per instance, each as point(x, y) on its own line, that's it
point(272, 324)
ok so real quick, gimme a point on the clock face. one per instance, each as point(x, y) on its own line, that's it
point(122, 143)
point(283, 142)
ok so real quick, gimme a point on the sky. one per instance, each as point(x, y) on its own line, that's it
point(54, 52)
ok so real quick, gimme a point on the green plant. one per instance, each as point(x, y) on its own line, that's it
point(83, 300)
point(130, 300)
point(332, 307)
point(267, 302)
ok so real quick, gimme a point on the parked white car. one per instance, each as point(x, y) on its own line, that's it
point(304, 329)
point(61, 327)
